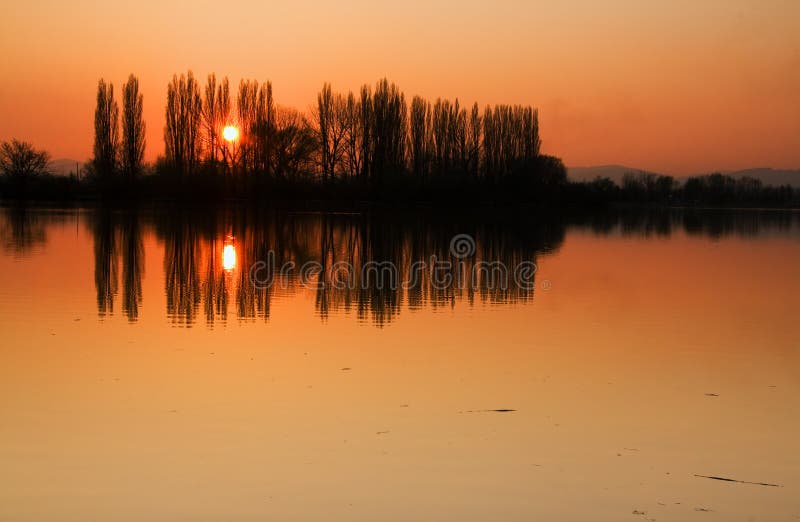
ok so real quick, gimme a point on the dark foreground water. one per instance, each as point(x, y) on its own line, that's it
point(299, 366)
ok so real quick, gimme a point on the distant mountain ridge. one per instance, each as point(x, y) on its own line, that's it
point(767, 176)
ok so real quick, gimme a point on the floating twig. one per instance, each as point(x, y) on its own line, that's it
point(725, 479)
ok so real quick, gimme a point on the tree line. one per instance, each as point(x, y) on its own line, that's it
point(712, 189)
point(365, 145)
point(367, 137)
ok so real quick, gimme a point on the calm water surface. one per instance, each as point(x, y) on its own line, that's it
point(144, 376)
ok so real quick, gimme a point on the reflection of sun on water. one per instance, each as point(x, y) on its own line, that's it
point(229, 257)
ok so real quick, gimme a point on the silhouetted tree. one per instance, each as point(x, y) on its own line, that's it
point(216, 113)
point(106, 131)
point(389, 124)
point(133, 128)
point(256, 112)
point(330, 115)
point(247, 112)
point(647, 187)
point(182, 130)
point(20, 160)
point(420, 136)
point(353, 136)
point(295, 144)
point(473, 139)
point(365, 125)
point(264, 130)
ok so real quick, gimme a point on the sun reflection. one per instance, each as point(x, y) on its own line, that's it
point(229, 255)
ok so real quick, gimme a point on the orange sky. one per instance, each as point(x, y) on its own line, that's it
point(681, 87)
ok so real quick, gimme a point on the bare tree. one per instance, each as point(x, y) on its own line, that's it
point(420, 131)
point(365, 125)
point(330, 116)
point(106, 131)
point(389, 129)
point(20, 160)
point(474, 141)
point(295, 144)
point(353, 136)
point(490, 142)
point(264, 130)
point(247, 112)
point(182, 131)
point(216, 112)
point(133, 127)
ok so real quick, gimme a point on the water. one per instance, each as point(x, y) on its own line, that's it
point(144, 376)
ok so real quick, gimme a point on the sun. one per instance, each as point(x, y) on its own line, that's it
point(230, 133)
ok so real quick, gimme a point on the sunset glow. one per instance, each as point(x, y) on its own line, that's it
point(358, 260)
point(673, 87)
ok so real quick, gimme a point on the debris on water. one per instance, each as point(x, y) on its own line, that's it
point(725, 479)
point(712, 395)
point(637, 512)
point(500, 410)
point(706, 510)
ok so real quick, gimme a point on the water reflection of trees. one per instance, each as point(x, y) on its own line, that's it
point(195, 274)
point(711, 223)
point(117, 239)
point(199, 287)
point(105, 262)
point(132, 265)
point(22, 230)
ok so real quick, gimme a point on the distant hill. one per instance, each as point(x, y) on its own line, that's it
point(64, 166)
point(767, 176)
